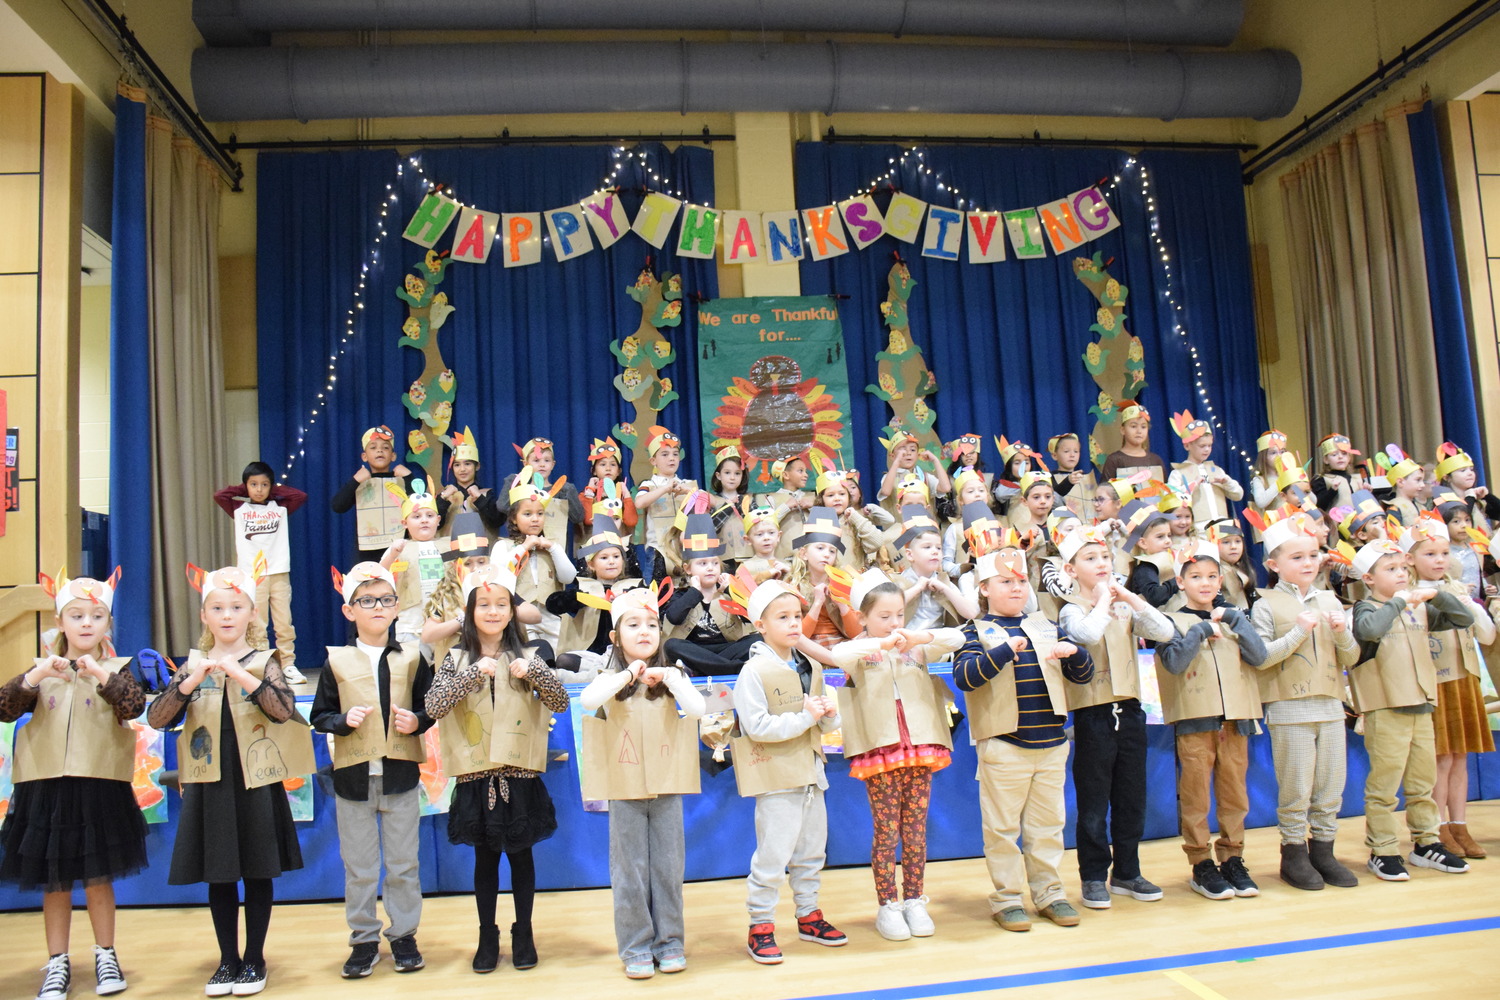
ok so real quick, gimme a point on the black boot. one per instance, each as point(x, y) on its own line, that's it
point(1320, 855)
point(487, 956)
point(1296, 870)
point(522, 947)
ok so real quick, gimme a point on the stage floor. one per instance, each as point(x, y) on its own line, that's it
point(1437, 935)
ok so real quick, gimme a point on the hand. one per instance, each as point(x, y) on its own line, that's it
point(1421, 594)
point(1215, 631)
point(813, 707)
point(401, 471)
point(637, 669)
point(592, 489)
point(356, 715)
point(927, 455)
point(904, 640)
point(820, 595)
point(486, 666)
point(1062, 650)
point(1337, 621)
point(361, 474)
point(406, 722)
point(519, 668)
point(1216, 615)
point(654, 676)
point(846, 514)
point(54, 666)
point(828, 706)
point(450, 493)
point(1075, 477)
point(1479, 492)
point(722, 583)
point(779, 570)
point(1017, 644)
point(541, 543)
point(1308, 620)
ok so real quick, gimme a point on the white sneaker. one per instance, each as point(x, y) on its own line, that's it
point(917, 920)
point(293, 675)
point(58, 979)
point(107, 972)
point(890, 922)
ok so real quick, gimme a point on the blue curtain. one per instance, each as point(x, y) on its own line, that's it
point(1455, 373)
point(130, 378)
point(529, 345)
point(1006, 340)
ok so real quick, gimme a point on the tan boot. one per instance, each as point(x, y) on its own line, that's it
point(1449, 841)
point(1467, 845)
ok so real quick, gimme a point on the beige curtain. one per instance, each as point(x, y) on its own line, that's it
point(1360, 290)
point(182, 194)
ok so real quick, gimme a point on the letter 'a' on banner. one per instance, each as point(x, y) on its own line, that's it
point(475, 235)
point(431, 220)
point(742, 238)
point(569, 229)
point(522, 236)
point(654, 220)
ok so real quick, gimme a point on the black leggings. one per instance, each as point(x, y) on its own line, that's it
point(487, 884)
point(224, 904)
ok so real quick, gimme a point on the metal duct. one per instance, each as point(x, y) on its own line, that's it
point(1162, 22)
point(558, 77)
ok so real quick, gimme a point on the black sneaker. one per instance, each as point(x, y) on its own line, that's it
point(407, 957)
point(58, 979)
point(252, 979)
point(363, 958)
point(1437, 857)
point(1238, 876)
point(221, 983)
point(1389, 867)
point(1208, 882)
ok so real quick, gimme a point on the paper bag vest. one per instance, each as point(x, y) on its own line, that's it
point(1207, 500)
point(1117, 674)
point(1216, 683)
point(1312, 670)
point(993, 708)
point(731, 627)
point(867, 711)
point(639, 748)
point(951, 618)
point(269, 751)
point(791, 524)
point(578, 629)
point(536, 578)
point(1402, 674)
point(73, 732)
point(506, 728)
point(774, 767)
point(351, 668)
point(1455, 650)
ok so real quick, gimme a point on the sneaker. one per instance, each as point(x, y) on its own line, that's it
point(252, 979)
point(1012, 918)
point(58, 979)
point(643, 969)
point(221, 983)
point(363, 958)
point(1135, 888)
point(1434, 855)
point(107, 972)
point(890, 922)
point(819, 931)
point(1209, 882)
point(672, 963)
point(1238, 877)
point(293, 675)
point(1096, 896)
point(406, 955)
point(917, 920)
point(1389, 867)
point(1060, 913)
point(762, 946)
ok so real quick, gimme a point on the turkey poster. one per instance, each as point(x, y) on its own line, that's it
point(772, 383)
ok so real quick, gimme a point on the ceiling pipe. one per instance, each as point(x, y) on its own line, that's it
point(398, 81)
point(1159, 22)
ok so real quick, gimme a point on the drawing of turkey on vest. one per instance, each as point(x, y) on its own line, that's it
point(270, 751)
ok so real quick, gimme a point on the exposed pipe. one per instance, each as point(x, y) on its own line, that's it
point(1161, 22)
point(558, 77)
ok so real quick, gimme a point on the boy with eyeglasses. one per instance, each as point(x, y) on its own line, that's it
point(371, 697)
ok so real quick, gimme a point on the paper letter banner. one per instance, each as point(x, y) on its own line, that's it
point(569, 230)
point(606, 217)
point(475, 235)
point(1094, 212)
point(742, 241)
point(783, 237)
point(1025, 232)
point(772, 381)
point(945, 233)
point(866, 224)
point(431, 220)
point(654, 221)
point(700, 229)
point(1064, 231)
point(903, 217)
point(523, 238)
point(986, 236)
point(825, 233)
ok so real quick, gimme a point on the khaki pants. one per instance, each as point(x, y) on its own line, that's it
point(274, 596)
point(1212, 762)
point(1402, 756)
point(1021, 795)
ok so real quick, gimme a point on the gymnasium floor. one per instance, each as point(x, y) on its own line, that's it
point(1435, 936)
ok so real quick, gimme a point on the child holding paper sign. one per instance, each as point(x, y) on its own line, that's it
point(377, 510)
point(371, 698)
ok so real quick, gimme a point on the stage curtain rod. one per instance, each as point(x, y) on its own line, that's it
point(1035, 140)
point(503, 139)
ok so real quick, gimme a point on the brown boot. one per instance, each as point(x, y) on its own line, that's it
point(1468, 846)
point(1320, 855)
point(1296, 870)
point(1449, 841)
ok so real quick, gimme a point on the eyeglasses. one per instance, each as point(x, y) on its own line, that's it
point(371, 603)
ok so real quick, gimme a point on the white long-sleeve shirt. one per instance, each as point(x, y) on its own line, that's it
point(611, 682)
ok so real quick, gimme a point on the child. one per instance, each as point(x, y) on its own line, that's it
point(724, 493)
point(904, 451)
point(1237, 574)
point(964, 456)
point(1467, 564)
point(377, 455)
point(792, 501)
point(240, 738)
point(1109, 725)
point(606, 466)
point(781, 711)
point(932, 599)
point(763, 535)
point(1074, 486)
point(1395, 689)
point(861, 539)
point(1153, 574)
point(584, 629)
point(537, 462)
point(1033, 504)
point(465, 493)
point(1336, 482)
point(895, 736)
point(1263, 491)
point(1460, 724)
point(639, 695)
point(1309, 644)
point(500, 803)
point(260, 508)
point(1016, 718)
point(73, 817)
point(541, 565)
point(1201, 484)
point(1455, 470)
point(968, 488)
point(371, 697)
point(1182, 532)
point(702, 637)
point(1015, 462)
point(983, 534)
point(1045, 567)
point(416, 561)
point(658, 498)
point(1408, 479)
point(1135, 454)
point(466, 550)
point(828, 622)
point(1210, 696)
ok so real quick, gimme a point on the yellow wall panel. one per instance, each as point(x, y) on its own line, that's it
point(18, 546)
point(19, 222)
point(20, 124)
point(18, 324)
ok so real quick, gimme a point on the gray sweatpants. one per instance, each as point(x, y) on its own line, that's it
point(1310, 770)
point(791, 838)
point(388, 823)
point(645, 872)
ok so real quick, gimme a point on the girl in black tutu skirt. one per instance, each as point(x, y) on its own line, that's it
point(495, 695)
point(74, 818)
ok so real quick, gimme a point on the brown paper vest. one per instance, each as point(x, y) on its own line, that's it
point(773, 767)
point(269, 751)
point(639, 749)
point(73, 732)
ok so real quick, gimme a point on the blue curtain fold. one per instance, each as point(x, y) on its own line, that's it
point(1455, 372)
point(529, 346)
point(1006, 340)
point(130, 380)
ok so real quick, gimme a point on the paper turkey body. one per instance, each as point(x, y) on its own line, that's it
point(778, 421)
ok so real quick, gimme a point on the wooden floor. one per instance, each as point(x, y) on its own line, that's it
point(1337, 943)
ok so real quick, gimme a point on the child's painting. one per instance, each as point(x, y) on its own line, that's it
point(150, 762)
point(299, 788)
point(7, 746)
point(377, 515)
